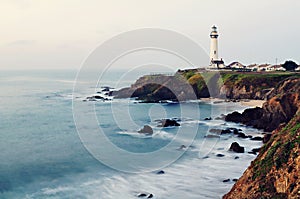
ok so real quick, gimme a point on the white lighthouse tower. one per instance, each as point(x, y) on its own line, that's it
point(214, 59)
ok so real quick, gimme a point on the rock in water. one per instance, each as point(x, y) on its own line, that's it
point(235, 147)
point(141, 195)
point(150, 195)
point(257, 138)
point(241, 135)
point(168, 122)
point(212, 136)
point(146, 130)
point(160, 172)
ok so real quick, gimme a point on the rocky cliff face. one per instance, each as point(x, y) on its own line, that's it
point(191, 84)
point(275, 172)
point(154, 88)
point(283, 103)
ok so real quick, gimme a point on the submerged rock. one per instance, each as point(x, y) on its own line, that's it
point(182, 147)
point(212, 136)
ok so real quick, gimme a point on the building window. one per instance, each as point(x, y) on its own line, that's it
point(215, 52)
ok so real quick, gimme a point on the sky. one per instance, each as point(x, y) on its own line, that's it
point(60, 34)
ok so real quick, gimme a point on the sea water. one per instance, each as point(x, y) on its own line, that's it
point(42, 156)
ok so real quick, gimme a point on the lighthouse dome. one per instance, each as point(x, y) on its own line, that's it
point(214, 32)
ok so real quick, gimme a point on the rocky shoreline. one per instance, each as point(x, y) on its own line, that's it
point(275, 172)
point(193, 84)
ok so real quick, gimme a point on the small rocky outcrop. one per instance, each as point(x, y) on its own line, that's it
point(168, 123)
point(235, 147)
point(146, 130)
point(160, 172)
point(257, 138)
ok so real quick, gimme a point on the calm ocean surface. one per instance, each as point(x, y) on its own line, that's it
point(42, 155)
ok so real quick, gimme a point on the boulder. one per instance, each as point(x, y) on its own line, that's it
point(226, 180)
point(146, 130)
point(168, 122)
point(257, 138)
point(235, 147)
point(160, 172)
point(226, 131)
point(254, 151)
point(142, 195)
point(242, 135)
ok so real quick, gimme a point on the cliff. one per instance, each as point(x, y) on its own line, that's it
point(193, 83)
point(283, 103)
point(275, 172)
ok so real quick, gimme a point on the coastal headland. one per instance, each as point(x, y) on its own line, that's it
point(275, 171)
point(195, 83)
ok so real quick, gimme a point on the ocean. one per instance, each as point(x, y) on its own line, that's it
point(43, 154)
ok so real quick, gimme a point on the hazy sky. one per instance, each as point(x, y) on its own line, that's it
point(61, 33)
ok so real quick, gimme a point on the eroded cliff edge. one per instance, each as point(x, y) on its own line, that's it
point(275, 171)
point(194, 83)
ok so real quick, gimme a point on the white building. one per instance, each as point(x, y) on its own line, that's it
point(277, 68)
point(236, 65)
point(215, 62)
point(252, 67)
point(264, 67)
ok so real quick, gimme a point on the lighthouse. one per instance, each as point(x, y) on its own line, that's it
point(214, 59)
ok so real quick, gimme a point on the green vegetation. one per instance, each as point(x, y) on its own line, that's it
point(262, 167)
point(189, 74)
point(290, 65)
point(284, 154)
point(229, 78)
point(197, 80)
point(279, 153)
point(295, 129)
